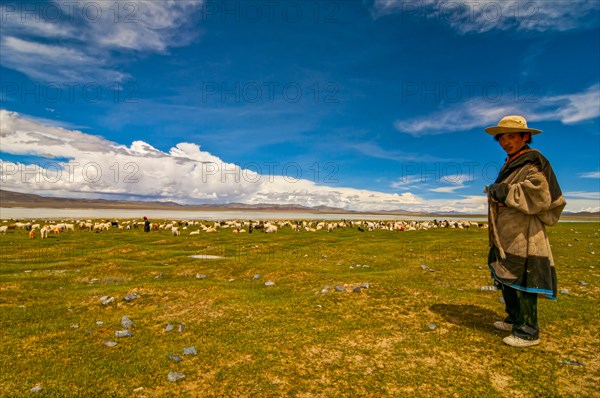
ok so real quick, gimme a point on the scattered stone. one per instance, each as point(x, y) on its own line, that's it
point(230, 280)
point(571, 363)
point(256, 277)
point(431, 270)
point(74, 326)
point(491, 288)
point(569, 245)
point(139, 389)
point(479, 267)
point(93, 281)
point(189, 350)
point(432, 326)
point(269, 283)
point(501, 299)
point(36, 389)
point(105, 300)
point(325, 289)
point(174, 376)
point(365, 285)
point(181, 327)
point(169, 327)
point(123, 333)
point(424, 267)
point(99, 323)
point(126, 322)
point(564, 291)
point(339, 288)
point(175, 358)
point(202, 276)
point(109, 343)
point(357, 289)
point(582, 283)
point(323, 256)
point(130, 297)
point(159, 276)
point(592, 253)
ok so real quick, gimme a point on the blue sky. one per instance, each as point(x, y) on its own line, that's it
point(365, 105)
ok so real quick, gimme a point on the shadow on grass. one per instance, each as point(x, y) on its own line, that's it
point(467, 315)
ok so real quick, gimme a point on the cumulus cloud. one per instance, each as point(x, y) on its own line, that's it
point(99, 168)
point(467, 16)
point(567, 108)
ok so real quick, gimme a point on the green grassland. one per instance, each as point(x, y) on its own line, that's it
point(413, 332)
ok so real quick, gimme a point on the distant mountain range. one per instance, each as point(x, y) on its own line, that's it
point(11, 199)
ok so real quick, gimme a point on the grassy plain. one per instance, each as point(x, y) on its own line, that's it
point(413, 332)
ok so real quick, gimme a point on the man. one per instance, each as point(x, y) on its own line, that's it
point(522, 201)
point(146, 224)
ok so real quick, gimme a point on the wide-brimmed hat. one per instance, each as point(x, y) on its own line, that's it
point(511, 124)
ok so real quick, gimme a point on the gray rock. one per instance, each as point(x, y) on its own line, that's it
point(491, 288)
point(174, 376)
point(365, 285)
point(105, 300)
point(126, 322)
point(357, 289)
point(571, 363)
point(36, 389)
point(339, 288)
point(201, 276)
point(190, 351)
point(424, 267)
point(169, 327)
point(269, 283)
point(109, 343)
point(582, 283)
point(564, 291)
point(181, 327)
point(123, 333)
point(325, 289)
point(432, 326)
point(159, 276)
point(74, 326)
point(175, 358)
point(256, 277)
point(130, 297)
point(99, 323)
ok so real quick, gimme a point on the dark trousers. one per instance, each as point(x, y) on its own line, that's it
point(521, 308)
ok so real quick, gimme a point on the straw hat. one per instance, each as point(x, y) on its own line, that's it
point(511, 124)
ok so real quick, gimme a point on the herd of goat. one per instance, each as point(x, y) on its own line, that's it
point(195, 227)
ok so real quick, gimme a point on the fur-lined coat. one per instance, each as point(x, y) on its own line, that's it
point(524, 199)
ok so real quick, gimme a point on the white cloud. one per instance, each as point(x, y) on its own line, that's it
point(467, 16)
point(567, 108)
point(591, 174)
point(187, 174)
point(89, 36)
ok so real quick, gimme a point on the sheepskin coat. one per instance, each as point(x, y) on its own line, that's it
point(520, 254)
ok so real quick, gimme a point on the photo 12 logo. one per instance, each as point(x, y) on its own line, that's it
point(270, 12)
point(28, 12)
point(269, 92)
point(54, 172)
point(69, 92)
point(453, 92)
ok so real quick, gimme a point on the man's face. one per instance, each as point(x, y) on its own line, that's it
point(512, 142)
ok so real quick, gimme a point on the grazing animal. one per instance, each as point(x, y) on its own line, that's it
point(44, 232)
point(195, 232)
point(175, 231)
point(3, 229)
point(360, 229)
point(31, 234)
